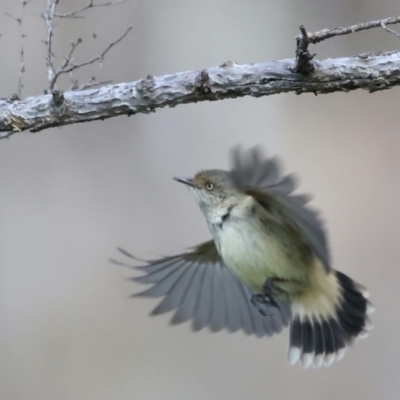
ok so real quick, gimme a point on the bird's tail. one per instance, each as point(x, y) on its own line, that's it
point(328, 319)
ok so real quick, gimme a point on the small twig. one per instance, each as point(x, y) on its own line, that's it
point(74, 14)
point(68, 67)
point(304, 63)
point(93, 83)
point(389, 30)
point(328, 33)
point(48, 17)
point(21, 52)
point(6, 135)
point(67, 60)
point(90, 84)
point(115, 42)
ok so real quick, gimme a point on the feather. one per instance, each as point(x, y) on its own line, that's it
point(200, 287)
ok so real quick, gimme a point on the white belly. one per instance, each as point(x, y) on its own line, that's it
point(251, 254)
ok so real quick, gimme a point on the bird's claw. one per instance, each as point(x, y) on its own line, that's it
point(266, 297)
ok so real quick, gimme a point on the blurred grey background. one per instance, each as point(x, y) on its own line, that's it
point(71, 196)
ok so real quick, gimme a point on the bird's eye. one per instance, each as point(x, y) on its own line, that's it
point(209, 186)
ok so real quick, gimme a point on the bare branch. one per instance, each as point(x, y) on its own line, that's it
point(67, 61)
point(111, 45)
point(22, 39)
point(49, 17)
point(98, 58)
point(6, 135)
point(68, 67)
point(372, 72)
point(12, 17)
point(74, 14)
point(90, 84)
point(303, 63)
point(93, 83)
point(329, 33)
point(389, 30)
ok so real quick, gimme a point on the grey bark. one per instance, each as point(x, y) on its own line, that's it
point(372, 72)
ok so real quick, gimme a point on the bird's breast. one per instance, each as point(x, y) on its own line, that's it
point(254, 253)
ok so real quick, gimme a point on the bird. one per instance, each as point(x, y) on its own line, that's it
point(267, 265)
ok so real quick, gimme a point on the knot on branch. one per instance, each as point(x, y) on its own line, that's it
point(146, 85)
point(14, 97)
point(303, 63)
point(227, 64)
point(57, 99)
point(202, 82)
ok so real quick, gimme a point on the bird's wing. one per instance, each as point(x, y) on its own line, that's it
point(252, 171)
point(200, 287)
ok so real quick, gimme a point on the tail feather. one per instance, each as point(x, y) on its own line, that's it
point(326, 322)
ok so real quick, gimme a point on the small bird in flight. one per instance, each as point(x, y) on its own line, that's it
point(267, 266)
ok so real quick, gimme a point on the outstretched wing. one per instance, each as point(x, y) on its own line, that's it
point(200, 287)
point(252, 171)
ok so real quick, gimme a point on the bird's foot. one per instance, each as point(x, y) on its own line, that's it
point(269, 301)
point(266, 296)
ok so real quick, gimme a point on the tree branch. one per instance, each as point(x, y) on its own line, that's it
point(68, 66)
point(74, 14)
point(372, 72)
point(48, 17)
point(329, 33)
point(22, 37)
point(304, 59)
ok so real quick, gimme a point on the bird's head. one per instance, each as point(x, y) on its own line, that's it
point(213, 190)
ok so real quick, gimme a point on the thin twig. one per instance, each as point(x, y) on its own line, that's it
point(93, 83)
point(49, 17)
point(303, 63)
point(22, 51)
point(68, 67)
point(22, 38)
point(6, 135)
point(74, 14)
point(328, 33)
point(389, 30)
point(90, 84)
point(69, 58)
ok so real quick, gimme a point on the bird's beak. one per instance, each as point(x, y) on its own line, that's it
point(186, 181)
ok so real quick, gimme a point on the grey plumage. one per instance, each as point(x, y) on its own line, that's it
point(205, 291)
point(267, 265)
point(251, 171)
